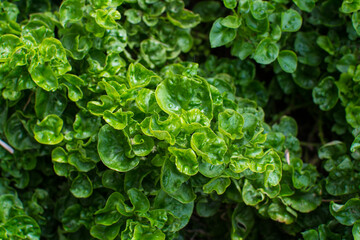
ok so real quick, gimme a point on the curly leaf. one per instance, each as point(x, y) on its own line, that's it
point(81, 187)
point(48, 131)
point(114, 150)
point(230, 124)
point(180, 92)
point(185, 160)
point(176, 184)
point(348, 213)
point(209, 146)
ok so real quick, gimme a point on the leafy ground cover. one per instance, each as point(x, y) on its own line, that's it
point(160, 119)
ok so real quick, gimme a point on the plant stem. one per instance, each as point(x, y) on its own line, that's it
point(6, 147)
point(321, 131)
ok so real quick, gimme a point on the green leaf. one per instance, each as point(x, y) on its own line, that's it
point(278, 212)
point(256, 25)
point(220, 35)
point(250, 195)
point(194, 119)
point(139, 76)
point(306, 76)
point(176, 184)
point(184, 18)
point(307, 49)
point(347, 61)
point(325, 43)
point(231, 124)
point(231, 4)
point(348, 213)
point(356, 230)
point(355, 18)
point(71, 218)
point(231, 21)
point(219, 185)
point(332, 150)
point(109, 215)
point(352, 115)
point(115, 41)
point(153, 52)
point(106, 18)
point(146, 101)
point(47, 103)
point(113, 180)
point(291, 21)
point(139, 201)
point(180, 92)
point(80, 163)
point(105, 232)
point(242, 222)
point(17, 134)
point(71, 11)
point(287, 126)
point(207, 207)
point(185, 160)
point(163, 130)
point(48, 131)
point(266, 52)
point(142, 145)
point(81, 186)
point(305, 5)
point(209, 170)
point(98, 108)
point(43, 76)
point(85, 125)
point(180, 212)
point(8, 45)
point(261, 9)
point(349, 6)
point(208, 10)
point(310, 235)
point(106, 3)
point(303, 201)
point(114, 150)
point(133, 16)
point(22, 227)
point(326, 93)
point(288, 61)
point(209, 146)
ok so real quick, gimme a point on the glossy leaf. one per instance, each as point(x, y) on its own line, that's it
point(114, 150)
point(220, 35)
point(71, 11)
point(326, 94)
point(185, 160)
point(266, 52)
point(180, 92)
point(305, 5)
point(231, 4)
point(176, 184)
point(346, 214)
point(209, 146)
point(48, 131)
point(139, 76)
point(81, 187)
point(218, 185)
point(231, 123)
point(184, 18)
point(291, 21)
point(288, 61)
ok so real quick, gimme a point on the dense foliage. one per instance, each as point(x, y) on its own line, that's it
point(179, 119)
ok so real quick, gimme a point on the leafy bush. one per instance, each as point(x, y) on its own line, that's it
point(158, 119)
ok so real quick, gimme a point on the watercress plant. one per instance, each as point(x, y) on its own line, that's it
point(119, 119)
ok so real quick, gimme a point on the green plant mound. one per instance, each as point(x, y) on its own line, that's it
point(160, 119)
